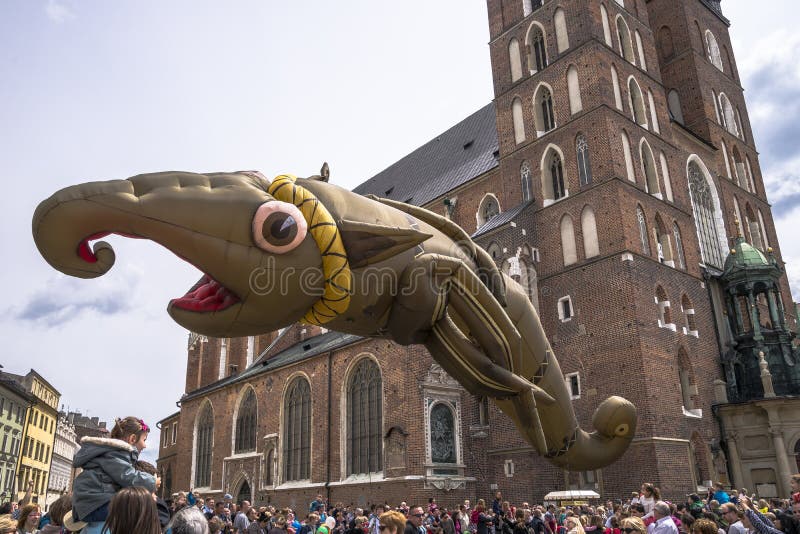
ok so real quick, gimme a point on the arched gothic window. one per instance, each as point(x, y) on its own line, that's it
point(488, 210)
point(643, 231)
point(649, 168)
point(591, 245)
point(617, 92)
point(269, 465)
point(525, 177)
point(364, 419)
point(297, 431)
point(443, 434)
point(712, 49)
point(203, 445)
point(637, 102)
point(246, 424)
point(545, 118)
point(557, 176)
point(704, 216)
point(625, 44)
point(584, 165)
point(606, 25)
point(568, 249)
point(728, 115)
point(674, 105)
point(538, 49)
point(676, 236)
point(665, 44)
point(514, 60)
point(562, 35)
point(574, 90)
point(640, 48)
point(517, 119)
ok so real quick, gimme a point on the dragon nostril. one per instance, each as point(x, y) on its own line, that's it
point(621, 430)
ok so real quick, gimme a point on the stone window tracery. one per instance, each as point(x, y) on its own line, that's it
point(297, 431)
point(246, 424)
point(203, 445)
point(364, 419)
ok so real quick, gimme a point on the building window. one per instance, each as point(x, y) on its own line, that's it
point(640, 48)
point(490, 209)
point(637, 103)
point(442, 434)
point(664, 309)
point(568, 240)
point(617, 92)
point(246, 423)
point(557, 176)
point(297, 431)
point(538, 59)
point(712, 50)
point(643, 231)
point(625, 44)
point(519, 124)
point(591, 245)
point(649, 168)
point(525, 176)
point(174, 433)
point(205, 438)
point(514, 59)
point(606, 26)
point(674, 105)
point(584, 165)
point(573, 381)
point(545, 118)
point(676, 236)
point(562, 35)
point(703, 206)
point(565, 310)
point(364, 420)
point(728, 115)
point(574, 90)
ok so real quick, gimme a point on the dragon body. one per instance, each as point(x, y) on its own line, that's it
point(294, 249)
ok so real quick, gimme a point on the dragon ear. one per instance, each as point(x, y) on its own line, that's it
point(324, 174)
point(370, 243)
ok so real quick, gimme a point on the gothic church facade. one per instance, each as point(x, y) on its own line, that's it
point(608, 177)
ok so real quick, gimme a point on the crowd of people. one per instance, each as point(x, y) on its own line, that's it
point(116, 493)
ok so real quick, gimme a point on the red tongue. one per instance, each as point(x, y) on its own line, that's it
point(206, 296)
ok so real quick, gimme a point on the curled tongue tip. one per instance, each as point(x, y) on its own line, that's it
point(206, 295)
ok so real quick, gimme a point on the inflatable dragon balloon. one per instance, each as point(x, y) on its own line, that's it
point(301, 249)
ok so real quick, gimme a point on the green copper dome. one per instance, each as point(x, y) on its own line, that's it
point(745, 256)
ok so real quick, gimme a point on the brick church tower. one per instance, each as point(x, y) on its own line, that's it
point(625, 145)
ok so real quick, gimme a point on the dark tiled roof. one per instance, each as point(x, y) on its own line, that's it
point(298, 352)
point(499, 220)
point(458, 155)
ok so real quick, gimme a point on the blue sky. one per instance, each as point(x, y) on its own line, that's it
point(102, 90)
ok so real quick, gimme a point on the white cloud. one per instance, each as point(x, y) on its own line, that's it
point(58, 12)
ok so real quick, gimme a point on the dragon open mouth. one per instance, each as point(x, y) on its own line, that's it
point(207, 295)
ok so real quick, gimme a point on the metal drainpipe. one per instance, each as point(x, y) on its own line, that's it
point(328, 434)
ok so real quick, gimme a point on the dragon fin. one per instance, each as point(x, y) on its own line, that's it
point(370, 243)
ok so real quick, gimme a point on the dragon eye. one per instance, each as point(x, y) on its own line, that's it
point(278, 227)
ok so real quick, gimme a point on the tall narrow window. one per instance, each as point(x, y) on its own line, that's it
point(764, 237)
point(269, 465)
point(740, 170)
point(649, 168)
point(538, 49)
point(716, 107)
point(246, 424)
point(617, 92)
point(727, 161)
point(489, 209)
point(653, 113)
point(297, 431)
point(591, 245)
point(514, 60)
point(364, 419)
point(712, 50)
point(519, 125)
point(674, 104)
point(606, 25)
point(557, 176)
point(640, 48)
point(525, 176)
point(665, 176)
point(679, 257)
point(626, 150)
point(728, 115)
point(203, 444)
point(665, 44)
point(568, 240)
point(637, 102)
point(663, 242)
point(750, 175)
point(574, 90)
point(704, 209)
point(562, 36)
point(624, 36)
point(543, 103)
point(584, 165)
point(643, 231)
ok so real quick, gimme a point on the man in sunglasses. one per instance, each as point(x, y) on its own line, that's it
point(663, 520)
point(414, 520)
point(733, 517)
